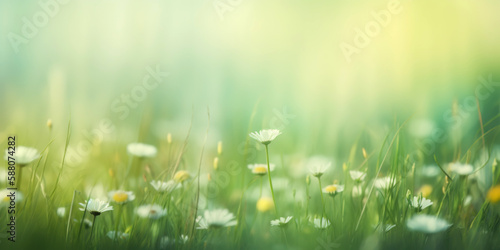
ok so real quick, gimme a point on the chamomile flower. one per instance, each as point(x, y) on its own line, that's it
point(96, 207)
point(333, 190)
point(384, 183)
point(260, 169)
point(461, 169)
point(218, 218)
point(430, 171)
point(6, 196)
point(151, 211)
point(318, 169)
point(182, 176)
point(61, 212)
point(142, 150)
point(265, 136)
point(121, 197)
point(167, 187)
point(281, 222)
point(23, 155)
point(420, 203)
point(117, 235)
point(427, 224)
point(166, 242)
point(321, 223)
point(357, 176)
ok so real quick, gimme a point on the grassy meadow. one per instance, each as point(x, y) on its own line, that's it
point(249, 125)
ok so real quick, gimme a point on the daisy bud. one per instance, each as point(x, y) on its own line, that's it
point(49, 123)
point(216, 162)
point(169, 138)
point(219, 148)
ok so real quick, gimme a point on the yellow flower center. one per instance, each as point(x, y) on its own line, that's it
point(259, 170)
point(426, 190)
point(331, 189)
point(181, 176)
point(494, 194)
point(120, 197)
point(265, 204)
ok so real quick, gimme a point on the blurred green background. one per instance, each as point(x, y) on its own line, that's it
point(234, 56)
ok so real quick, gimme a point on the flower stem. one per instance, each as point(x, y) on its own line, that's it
point(270, 182)
point(322, 201)
point(92, 230)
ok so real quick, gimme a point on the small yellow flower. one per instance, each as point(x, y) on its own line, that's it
point(181, 176)
point(49, 123)
point(169, 138)
point(216, 163)
point(265, 204)
point(425, 190)
point(219, 148)
point(111, 172)
point(494, 194)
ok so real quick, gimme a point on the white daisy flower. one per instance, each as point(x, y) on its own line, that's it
point(142, 150)
point(357, 176)
point(430, 171)
point(333, 190)
point(357, 191)
point(260, 169)
point(321, 223)
point(117, 235)
point(121, 197)
point(23, 155)
point(420, 203)
point(317, 170)
point(6, 196)
point(213, 219)
point(184, 238)
point(151, 211)
point(461, 169)
point(384, 183)
point(265, 136)
point(427, 224)
point(96, 207)
point(61, 212)
point(281, 222)
point(167, 187)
